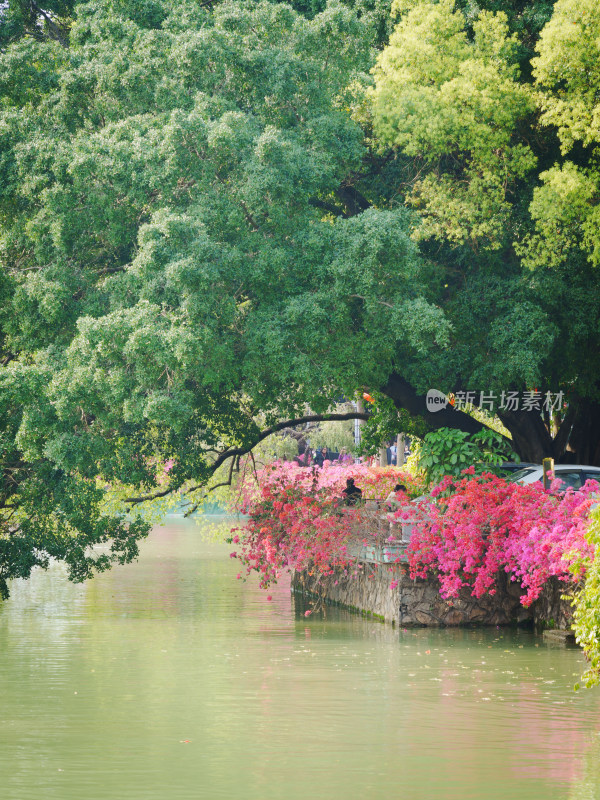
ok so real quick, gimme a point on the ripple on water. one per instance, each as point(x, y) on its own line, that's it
point(171, 679)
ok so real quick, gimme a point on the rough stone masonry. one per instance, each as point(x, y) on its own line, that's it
point(419, 602)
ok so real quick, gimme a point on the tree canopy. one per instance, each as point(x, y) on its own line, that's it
point(211, 211)
point(505, 199)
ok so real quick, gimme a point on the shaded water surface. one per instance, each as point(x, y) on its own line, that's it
point(168, 679)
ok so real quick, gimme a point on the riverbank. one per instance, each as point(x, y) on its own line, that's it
point(391, 596)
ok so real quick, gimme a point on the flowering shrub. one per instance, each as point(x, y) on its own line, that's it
point(469, 529)
point(586, 614)
point(297, 519)
point(375, 482)
point(289, 529)
point(480, 525)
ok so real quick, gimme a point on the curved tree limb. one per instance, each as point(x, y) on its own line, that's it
point(406, 397)
point(232, 452)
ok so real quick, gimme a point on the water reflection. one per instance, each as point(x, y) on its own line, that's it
point(170, 679)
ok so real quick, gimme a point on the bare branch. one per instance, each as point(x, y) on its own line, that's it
point(333, 209)
point(232, 452)
point(148, 497)
point(216, 486)
point(54, 30)
point(379, 302)
point(241, 451)
point(352, 199)
point(405, 396)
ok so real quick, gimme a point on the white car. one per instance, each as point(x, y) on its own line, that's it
point(574, 475)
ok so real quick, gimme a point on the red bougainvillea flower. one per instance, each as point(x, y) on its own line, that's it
point(468, 531)
point(486, 525)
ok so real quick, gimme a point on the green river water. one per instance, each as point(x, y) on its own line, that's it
point(168, 679)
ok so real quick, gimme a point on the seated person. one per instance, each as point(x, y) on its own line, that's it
point(391, 501)
point(352, 494)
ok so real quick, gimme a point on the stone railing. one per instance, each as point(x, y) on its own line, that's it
point(378, 538)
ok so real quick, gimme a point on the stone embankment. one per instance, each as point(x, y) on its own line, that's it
point(418, 602)
point(412, 603)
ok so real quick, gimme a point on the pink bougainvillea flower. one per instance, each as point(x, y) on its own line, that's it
point(471, 528)
point(487, 525)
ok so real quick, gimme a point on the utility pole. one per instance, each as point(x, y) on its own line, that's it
point(359, 406)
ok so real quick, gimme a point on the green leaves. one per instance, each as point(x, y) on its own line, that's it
point(564, 207)
point(568, 73)
point(586, 613)
point(161, 243)
point(196, 230)
point(455, 103)
point(449, 452)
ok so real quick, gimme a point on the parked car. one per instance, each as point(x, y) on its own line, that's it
point(509, 467)
point(574, 475)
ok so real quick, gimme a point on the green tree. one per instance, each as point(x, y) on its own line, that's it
point(456, 100)
point(165, 234)
point(444, 96)
point(50, 20)
point(565, 206)
point(449, 452)
point(198, 230)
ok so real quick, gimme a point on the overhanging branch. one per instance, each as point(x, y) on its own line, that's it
point(232, 452)
point(406, 397)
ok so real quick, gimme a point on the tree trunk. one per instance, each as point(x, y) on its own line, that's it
point(400, 459)
point(530, 438)
point(577, 440)
point(404, 396)
point(383, 457)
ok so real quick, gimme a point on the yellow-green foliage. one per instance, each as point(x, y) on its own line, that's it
point(439, 95)
point(586, 615)
point(276, 447)
point(567, 72)
point(334, 435)
point(568, 69)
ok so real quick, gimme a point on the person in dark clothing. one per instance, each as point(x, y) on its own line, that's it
point(352, 494)
point(319, 458)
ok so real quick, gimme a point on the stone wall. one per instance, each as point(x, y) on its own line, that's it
point(419, 603)
point(550, 610)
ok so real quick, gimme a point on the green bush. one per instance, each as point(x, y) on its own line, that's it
point(586, 614)
point(448, 451)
